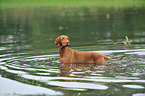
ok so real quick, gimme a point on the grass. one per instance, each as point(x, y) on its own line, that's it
point(71, 3)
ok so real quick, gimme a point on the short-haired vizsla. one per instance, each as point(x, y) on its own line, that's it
point(68, 55)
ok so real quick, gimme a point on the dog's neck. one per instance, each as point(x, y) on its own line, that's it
point(63, 50)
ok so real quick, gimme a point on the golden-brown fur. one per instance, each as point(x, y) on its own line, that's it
point(68, 55)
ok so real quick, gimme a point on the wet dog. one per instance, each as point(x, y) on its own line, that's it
point(68, 55)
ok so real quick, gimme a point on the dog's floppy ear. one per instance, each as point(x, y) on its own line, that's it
point(57, 42)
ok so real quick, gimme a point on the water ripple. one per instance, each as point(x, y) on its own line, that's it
point(46, 70)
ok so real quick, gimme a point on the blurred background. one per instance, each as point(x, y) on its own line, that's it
point(38, 23)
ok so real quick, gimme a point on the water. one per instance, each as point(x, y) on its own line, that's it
point(29, 59)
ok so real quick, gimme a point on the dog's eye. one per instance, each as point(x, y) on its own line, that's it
point(62, 39)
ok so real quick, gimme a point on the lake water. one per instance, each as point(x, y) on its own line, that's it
point(29, 59)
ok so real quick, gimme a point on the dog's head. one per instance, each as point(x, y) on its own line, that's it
point(62, 41)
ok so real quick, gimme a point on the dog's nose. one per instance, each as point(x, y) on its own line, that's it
point(67, 41)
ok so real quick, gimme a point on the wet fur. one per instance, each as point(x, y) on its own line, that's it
point(68, 55)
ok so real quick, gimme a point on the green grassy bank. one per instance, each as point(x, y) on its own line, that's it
point(71, 3)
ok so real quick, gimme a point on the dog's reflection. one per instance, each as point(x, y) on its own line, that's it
point(67, 70)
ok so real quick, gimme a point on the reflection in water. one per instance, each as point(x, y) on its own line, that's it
point(40, 26)
point(80, 69)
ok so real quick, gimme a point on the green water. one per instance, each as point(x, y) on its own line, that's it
point(29, 59)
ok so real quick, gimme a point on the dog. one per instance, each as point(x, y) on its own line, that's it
point(71, 56)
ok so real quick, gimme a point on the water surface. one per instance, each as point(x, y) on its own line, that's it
point(29, 59)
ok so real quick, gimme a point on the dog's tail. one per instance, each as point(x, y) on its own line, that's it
point(114, 59)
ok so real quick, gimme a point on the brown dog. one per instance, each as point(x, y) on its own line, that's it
point(68, 55)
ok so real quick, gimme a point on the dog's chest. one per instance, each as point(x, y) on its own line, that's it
point(66, 57)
